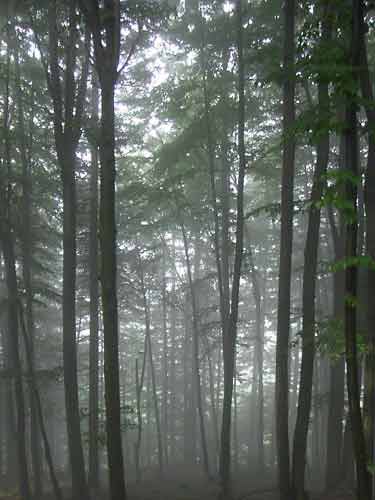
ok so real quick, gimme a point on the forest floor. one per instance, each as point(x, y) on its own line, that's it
point(190, 484)
point(185, 484)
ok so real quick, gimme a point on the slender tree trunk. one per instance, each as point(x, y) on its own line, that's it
point(258, 365)
point(213, 407)
point(11, 281)
point(27, 246)
point(351, 136)
point(94, 306)
point(7, 243)
point(172, 368)
point(68, 100)
point(197, 377)
point(309, 285)
point(139, 382)
point(11, 463)
point(283, 310)
point(335, 435)
point(165, 424)
point(230, 333)
point(152, 369)
point(38, 409)
point(369, 375)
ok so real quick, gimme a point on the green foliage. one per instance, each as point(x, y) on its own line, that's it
point(334, 193)
point(331, 339)
point(362, 261)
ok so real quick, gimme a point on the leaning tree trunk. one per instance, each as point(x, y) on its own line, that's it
point(286, 242)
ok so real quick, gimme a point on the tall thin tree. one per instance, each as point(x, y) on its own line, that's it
point(286, 241)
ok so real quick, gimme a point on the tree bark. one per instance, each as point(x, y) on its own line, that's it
point(286, 242)
point(353, 386)
point(309, 283)
point(230, 331)
point(369, 373)
point(68, 102)
point(106, 37)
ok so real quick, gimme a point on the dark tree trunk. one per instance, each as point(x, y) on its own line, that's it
point(286, 241)
point(6, 238)
point(109, 291)
point(7, 246)
point(369, 374)
point(351, 137)
point(230, 326)
point(309, 285)
point(106, 56)
point(68, 100)
point(337, 366)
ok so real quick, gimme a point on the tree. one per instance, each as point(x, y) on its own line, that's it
point(351, 139)
point(68, 98)
point(230, 325)
point(106, 35)
point(310, 274)
point(283, 308)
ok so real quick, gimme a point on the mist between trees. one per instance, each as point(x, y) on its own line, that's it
point(187, 241)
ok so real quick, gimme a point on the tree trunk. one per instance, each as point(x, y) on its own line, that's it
point(68, 101)
point(286, 242)
point(106, 57)
point(27, 247)
point(351, 137)
point(94, 305)
point(38, 408)
point(230, 330)
point(309, 282)
point(197, 377)
point(139, 382)
point(165, 407)
point(369, 375)
point(7, 244)
point(11, 281)
point(146, 312)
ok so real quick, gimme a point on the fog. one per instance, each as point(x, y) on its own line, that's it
point(187, 216)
